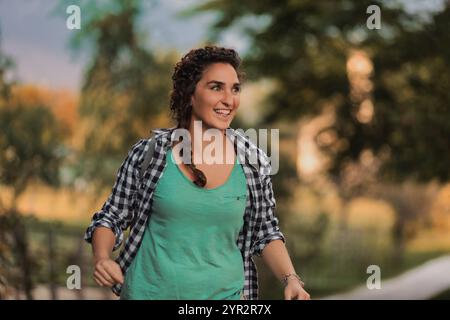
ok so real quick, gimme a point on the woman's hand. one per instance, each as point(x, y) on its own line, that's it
point(295, 291)
point(107, 272)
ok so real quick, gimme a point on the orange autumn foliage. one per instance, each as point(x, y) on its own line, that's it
point(62, 103)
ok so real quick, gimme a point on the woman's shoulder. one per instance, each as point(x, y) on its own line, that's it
point(138, 151)
point(255, 154)
point(142, 145)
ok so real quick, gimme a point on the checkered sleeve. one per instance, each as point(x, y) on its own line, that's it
point(267, 227)
point(117, 212)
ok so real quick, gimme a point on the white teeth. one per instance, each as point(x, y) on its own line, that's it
point(222, 111)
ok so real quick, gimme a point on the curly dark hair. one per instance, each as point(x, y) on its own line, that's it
point(188, 72)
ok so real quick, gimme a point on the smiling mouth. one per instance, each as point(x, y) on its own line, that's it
point(224, 113)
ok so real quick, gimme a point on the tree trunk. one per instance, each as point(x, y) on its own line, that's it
point(51, 264)
point(21, 244)
point(399, 241)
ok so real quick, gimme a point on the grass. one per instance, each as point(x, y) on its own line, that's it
point(324, 275)
point(337, 265)
point(445, 295)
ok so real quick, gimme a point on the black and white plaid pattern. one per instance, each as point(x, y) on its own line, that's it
point(130, 202)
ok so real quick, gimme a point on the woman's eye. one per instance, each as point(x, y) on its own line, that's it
point(218, 88)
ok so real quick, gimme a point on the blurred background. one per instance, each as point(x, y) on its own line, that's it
point(363, 114)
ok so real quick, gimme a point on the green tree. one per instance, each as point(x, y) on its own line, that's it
point(125, 87)
point(29, 151)
point(305, 45)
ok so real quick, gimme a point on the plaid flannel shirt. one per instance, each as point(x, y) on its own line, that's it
point(130, 202)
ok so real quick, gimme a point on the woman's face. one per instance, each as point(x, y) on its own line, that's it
point(216, 96)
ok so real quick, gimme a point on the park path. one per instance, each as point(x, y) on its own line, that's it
point(42, 292)
point(420, 283)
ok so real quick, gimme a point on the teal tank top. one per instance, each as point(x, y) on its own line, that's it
point(189, 250)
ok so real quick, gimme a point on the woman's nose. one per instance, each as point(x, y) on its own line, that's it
point(227, 99)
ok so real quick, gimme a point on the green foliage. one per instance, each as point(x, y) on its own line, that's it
point(124, 91)
point(29, 143)
point(30, 139)
point(30, 149)
point(304, 46)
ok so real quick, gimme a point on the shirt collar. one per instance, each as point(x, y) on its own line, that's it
point(246, 150)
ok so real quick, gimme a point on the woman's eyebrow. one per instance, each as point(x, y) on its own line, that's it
point(222, 83)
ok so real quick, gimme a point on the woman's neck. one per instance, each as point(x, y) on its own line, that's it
point(201, 138)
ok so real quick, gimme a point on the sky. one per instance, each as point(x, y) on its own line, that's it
point(38, 40)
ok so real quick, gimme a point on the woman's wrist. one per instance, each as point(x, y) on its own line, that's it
point(292, 277)
point(101, 256)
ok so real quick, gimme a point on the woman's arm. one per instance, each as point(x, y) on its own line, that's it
point(117, 212)
point(270, 241)
point(105, 232)
point(103, 243)
point(107, 272)
point(276, 257)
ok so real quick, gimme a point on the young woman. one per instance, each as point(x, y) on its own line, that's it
point(194, 226)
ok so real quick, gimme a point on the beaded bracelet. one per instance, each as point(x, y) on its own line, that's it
point(286, 277)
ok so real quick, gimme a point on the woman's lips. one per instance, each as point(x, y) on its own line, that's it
point(223, 113)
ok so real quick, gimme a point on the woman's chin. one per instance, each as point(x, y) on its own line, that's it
point(219, 124)
point(223, 125)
